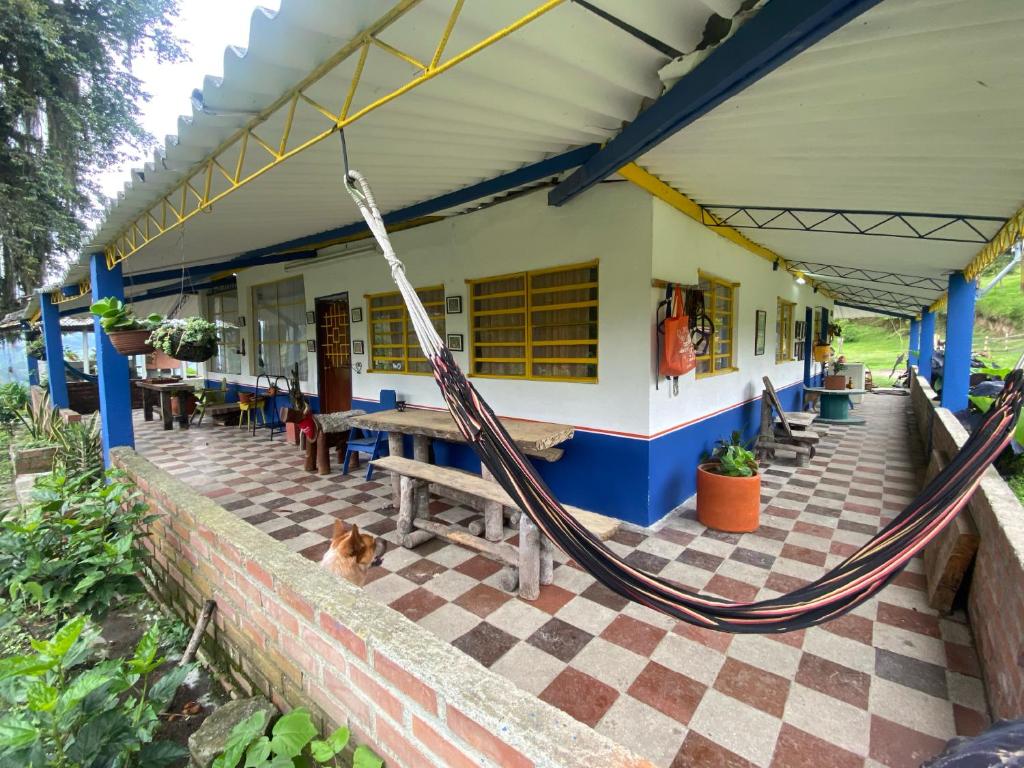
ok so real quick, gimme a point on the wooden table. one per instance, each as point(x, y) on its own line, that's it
point(534, 438)
point(835, 405)
point(164, 391)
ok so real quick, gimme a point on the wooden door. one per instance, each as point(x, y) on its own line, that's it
point(333, 354)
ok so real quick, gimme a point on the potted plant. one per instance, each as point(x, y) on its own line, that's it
point(128, 334)
point(36, 348)
point(35, 448)
point(837, 379)
point(192, 339)
point(729, 488)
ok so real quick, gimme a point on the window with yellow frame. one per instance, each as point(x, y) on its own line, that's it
point(394, 347)
point(539, 325)
point(720, 305)
point(784, 331)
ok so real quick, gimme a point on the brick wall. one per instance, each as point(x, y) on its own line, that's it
point(287, 628)
point(995, 602)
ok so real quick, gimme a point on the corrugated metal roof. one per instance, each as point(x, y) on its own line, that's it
point(917, 106)
point(571, 78)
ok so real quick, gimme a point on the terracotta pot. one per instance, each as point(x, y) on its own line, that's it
point(726, 503)
point(190, 405)
point(130, 342)
point(837, 381)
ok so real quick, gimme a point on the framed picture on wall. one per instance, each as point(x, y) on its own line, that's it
point(760, 325)
point(357, 314)
point(310, 318)
point(455, 343)
point(358, 347)
point(311, 345)
point(453, 305)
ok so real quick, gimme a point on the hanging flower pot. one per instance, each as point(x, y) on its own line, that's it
point(128, 334)
point(193, 339)
point(36, 348)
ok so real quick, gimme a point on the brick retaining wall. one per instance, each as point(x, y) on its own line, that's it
point(995, 602)
point(287, 628)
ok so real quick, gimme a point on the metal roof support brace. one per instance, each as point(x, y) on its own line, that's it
point(780, 30)
point(54, 351)
point(879, 311)
point(111, 366)
point(956, 373)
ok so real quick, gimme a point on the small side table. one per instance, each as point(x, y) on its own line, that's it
point(835, 405)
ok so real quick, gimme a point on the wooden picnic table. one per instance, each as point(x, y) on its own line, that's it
point(163, 391)
point(534, 438)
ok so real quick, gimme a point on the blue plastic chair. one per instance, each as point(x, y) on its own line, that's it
point(373, 444)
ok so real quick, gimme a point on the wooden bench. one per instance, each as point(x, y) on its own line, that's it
point(528, 566)
point(787, 430)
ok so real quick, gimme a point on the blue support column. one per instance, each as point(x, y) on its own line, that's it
point(808, 344)
point(31, 363)
point(914, 346)
point(924, 358)
point(111, 366)
point(956, 378)
point(54, 352)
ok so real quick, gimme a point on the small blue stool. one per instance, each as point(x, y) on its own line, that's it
point(373, 444)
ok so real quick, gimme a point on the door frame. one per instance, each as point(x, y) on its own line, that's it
point(318, 306)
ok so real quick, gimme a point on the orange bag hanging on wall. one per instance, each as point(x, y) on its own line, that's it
point(677, 355)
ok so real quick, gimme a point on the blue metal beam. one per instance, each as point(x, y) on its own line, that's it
point(157, 293)
point(202, 270)
point(876, 310)
point(779, 31)
point(54, 351)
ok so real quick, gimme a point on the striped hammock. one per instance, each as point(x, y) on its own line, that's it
point(843, 588)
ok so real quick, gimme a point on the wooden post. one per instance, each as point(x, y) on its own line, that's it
point(396, 448)
point(547, 560)
point(421, 452)
point(323, 454)
point(408, 537)
point(494, 522)
point(529, 559)
point(165, 409)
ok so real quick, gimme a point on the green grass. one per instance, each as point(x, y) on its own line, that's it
point(876, 343)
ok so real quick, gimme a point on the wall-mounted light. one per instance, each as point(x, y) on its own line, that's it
point(800, 280)
point(775, 266)
point(815, 289)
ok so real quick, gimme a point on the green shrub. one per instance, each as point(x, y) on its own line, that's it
point(734, 458)
point(64, 709)
point(75, 549)
point(291, 742)
point(14, 399)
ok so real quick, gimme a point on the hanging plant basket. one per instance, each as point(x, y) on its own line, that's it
point(36, 349)
point(193, 340)
point(131, 342)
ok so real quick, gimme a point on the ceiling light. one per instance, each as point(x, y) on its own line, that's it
point(800, 280)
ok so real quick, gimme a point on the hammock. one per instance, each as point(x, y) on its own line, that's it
point(843, 588)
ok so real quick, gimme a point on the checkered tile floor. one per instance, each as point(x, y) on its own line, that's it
point(886, 685)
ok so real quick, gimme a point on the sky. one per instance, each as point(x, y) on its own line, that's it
point(208, 27)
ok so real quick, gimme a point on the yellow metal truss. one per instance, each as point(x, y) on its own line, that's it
point(194, 195)
point(57, 296)
point(648, 181)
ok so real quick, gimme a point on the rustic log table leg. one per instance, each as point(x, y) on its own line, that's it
point(182, 409)
point(147, 404)
point(396, 448)
point(529, 559)
point(547, 561)
point(165, 410)
point(323, 455)
point(494, 513)
point(421, 452)
point(408, 536)
point(310, 463)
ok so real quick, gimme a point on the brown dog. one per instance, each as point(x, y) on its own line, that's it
point(352, 553)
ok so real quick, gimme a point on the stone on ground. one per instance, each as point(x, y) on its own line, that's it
point(209, 741)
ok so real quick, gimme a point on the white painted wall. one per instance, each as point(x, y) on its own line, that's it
point(634, 236)
point(681, 247)
point(611, 224)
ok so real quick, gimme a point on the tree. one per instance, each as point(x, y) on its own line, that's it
point(68, 107)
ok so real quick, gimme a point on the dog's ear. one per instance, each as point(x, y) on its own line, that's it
point(339, 530)
point(353, 543)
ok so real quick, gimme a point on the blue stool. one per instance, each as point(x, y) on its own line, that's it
point(367, 441)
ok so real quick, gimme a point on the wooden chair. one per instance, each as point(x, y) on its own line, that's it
point(788, 431)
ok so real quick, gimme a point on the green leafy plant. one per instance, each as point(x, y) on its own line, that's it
point(292, 742)
point(66, 710)
point(36, 348)
point(193, 339)
point(115, 315)
point(733, 458)
point(14, 399)
point(39, 418)
point(79, 446)
point(75, 549)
